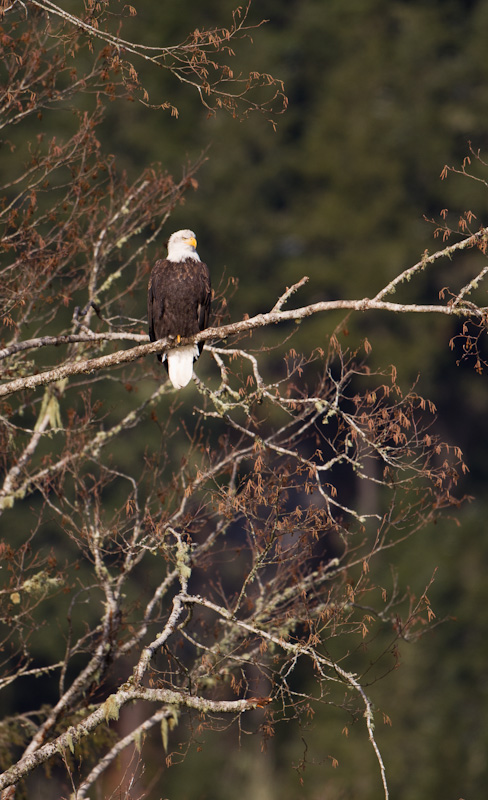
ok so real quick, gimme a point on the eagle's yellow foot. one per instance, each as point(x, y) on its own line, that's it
point(178, 339)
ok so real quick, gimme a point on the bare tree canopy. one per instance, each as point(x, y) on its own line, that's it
point(182, 564)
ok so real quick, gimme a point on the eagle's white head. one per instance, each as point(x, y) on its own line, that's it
point(182, 245)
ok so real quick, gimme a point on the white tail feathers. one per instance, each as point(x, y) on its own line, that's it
point(180, 364)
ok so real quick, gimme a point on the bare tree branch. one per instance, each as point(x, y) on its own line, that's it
point(87, 366)
point(110, 711)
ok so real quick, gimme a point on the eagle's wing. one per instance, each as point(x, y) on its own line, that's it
point(155, 304)
point(178, 303)
point(205, 302)
point(205, 299)
point(150, 311)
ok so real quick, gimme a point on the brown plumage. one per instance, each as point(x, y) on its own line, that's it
point(178, 303)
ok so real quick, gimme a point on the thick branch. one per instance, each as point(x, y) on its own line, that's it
point(110, 710)
point(71, 338)
point(259, 321)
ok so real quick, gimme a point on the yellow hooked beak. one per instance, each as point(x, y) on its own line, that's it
point(192, 241)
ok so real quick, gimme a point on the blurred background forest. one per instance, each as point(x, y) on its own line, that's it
point(344, 187)
point(381, 96)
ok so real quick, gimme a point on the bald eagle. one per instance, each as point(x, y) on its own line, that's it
point(178, 303)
